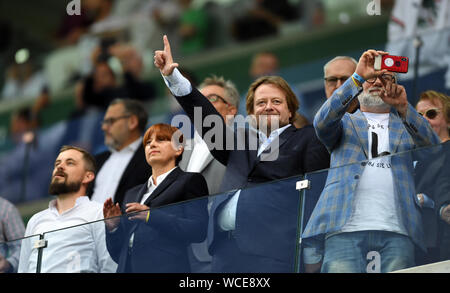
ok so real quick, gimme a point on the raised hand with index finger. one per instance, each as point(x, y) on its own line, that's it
point(163, 59)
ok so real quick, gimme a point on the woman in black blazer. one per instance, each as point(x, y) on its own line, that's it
point(161, 218)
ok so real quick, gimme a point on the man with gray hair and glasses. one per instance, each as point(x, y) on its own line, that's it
point(123, 166)
point(336, 72)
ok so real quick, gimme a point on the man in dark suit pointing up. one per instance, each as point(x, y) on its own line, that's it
point(252, 230)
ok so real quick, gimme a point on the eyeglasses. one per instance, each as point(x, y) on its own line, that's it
point(431, 113)
point(332, 80)
point(111, 121)
point(214, 98)
point(385, 77)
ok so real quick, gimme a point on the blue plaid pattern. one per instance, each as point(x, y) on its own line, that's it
point(346, 138)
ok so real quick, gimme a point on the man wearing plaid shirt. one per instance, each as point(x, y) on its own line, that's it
point(368, 208)
point(11, 229)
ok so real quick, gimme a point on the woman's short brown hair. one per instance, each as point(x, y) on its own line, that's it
point(165, 132)
point(291, 99)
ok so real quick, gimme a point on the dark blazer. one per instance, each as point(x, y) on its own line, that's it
point(137, 172)
point(265, 221)
point(160, 245)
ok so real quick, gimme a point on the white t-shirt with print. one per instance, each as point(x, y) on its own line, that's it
point(375, 201)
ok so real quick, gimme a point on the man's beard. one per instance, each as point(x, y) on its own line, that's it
point(64, 187)
point(373, 100)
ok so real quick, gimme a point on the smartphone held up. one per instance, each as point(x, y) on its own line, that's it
point(392, 63)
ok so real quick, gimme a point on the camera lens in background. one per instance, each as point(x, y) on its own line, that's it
point(404, 59)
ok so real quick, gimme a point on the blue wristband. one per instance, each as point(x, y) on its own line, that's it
point(358, 78)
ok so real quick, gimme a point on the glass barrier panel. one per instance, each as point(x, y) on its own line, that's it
point(379, 215)
point(262, 237)
point(157, 240)
point(310, 196)
point(173, 238)
point(432, 183)
point(394, 206)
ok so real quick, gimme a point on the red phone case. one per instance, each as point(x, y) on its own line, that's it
point(395, 63)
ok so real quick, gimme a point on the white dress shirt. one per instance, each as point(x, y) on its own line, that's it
point(108, 178)
point(75, 240)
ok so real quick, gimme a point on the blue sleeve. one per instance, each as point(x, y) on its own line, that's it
point(328, 120)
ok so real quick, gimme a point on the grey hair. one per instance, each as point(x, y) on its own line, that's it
point(348, 58)
point(232, 94)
